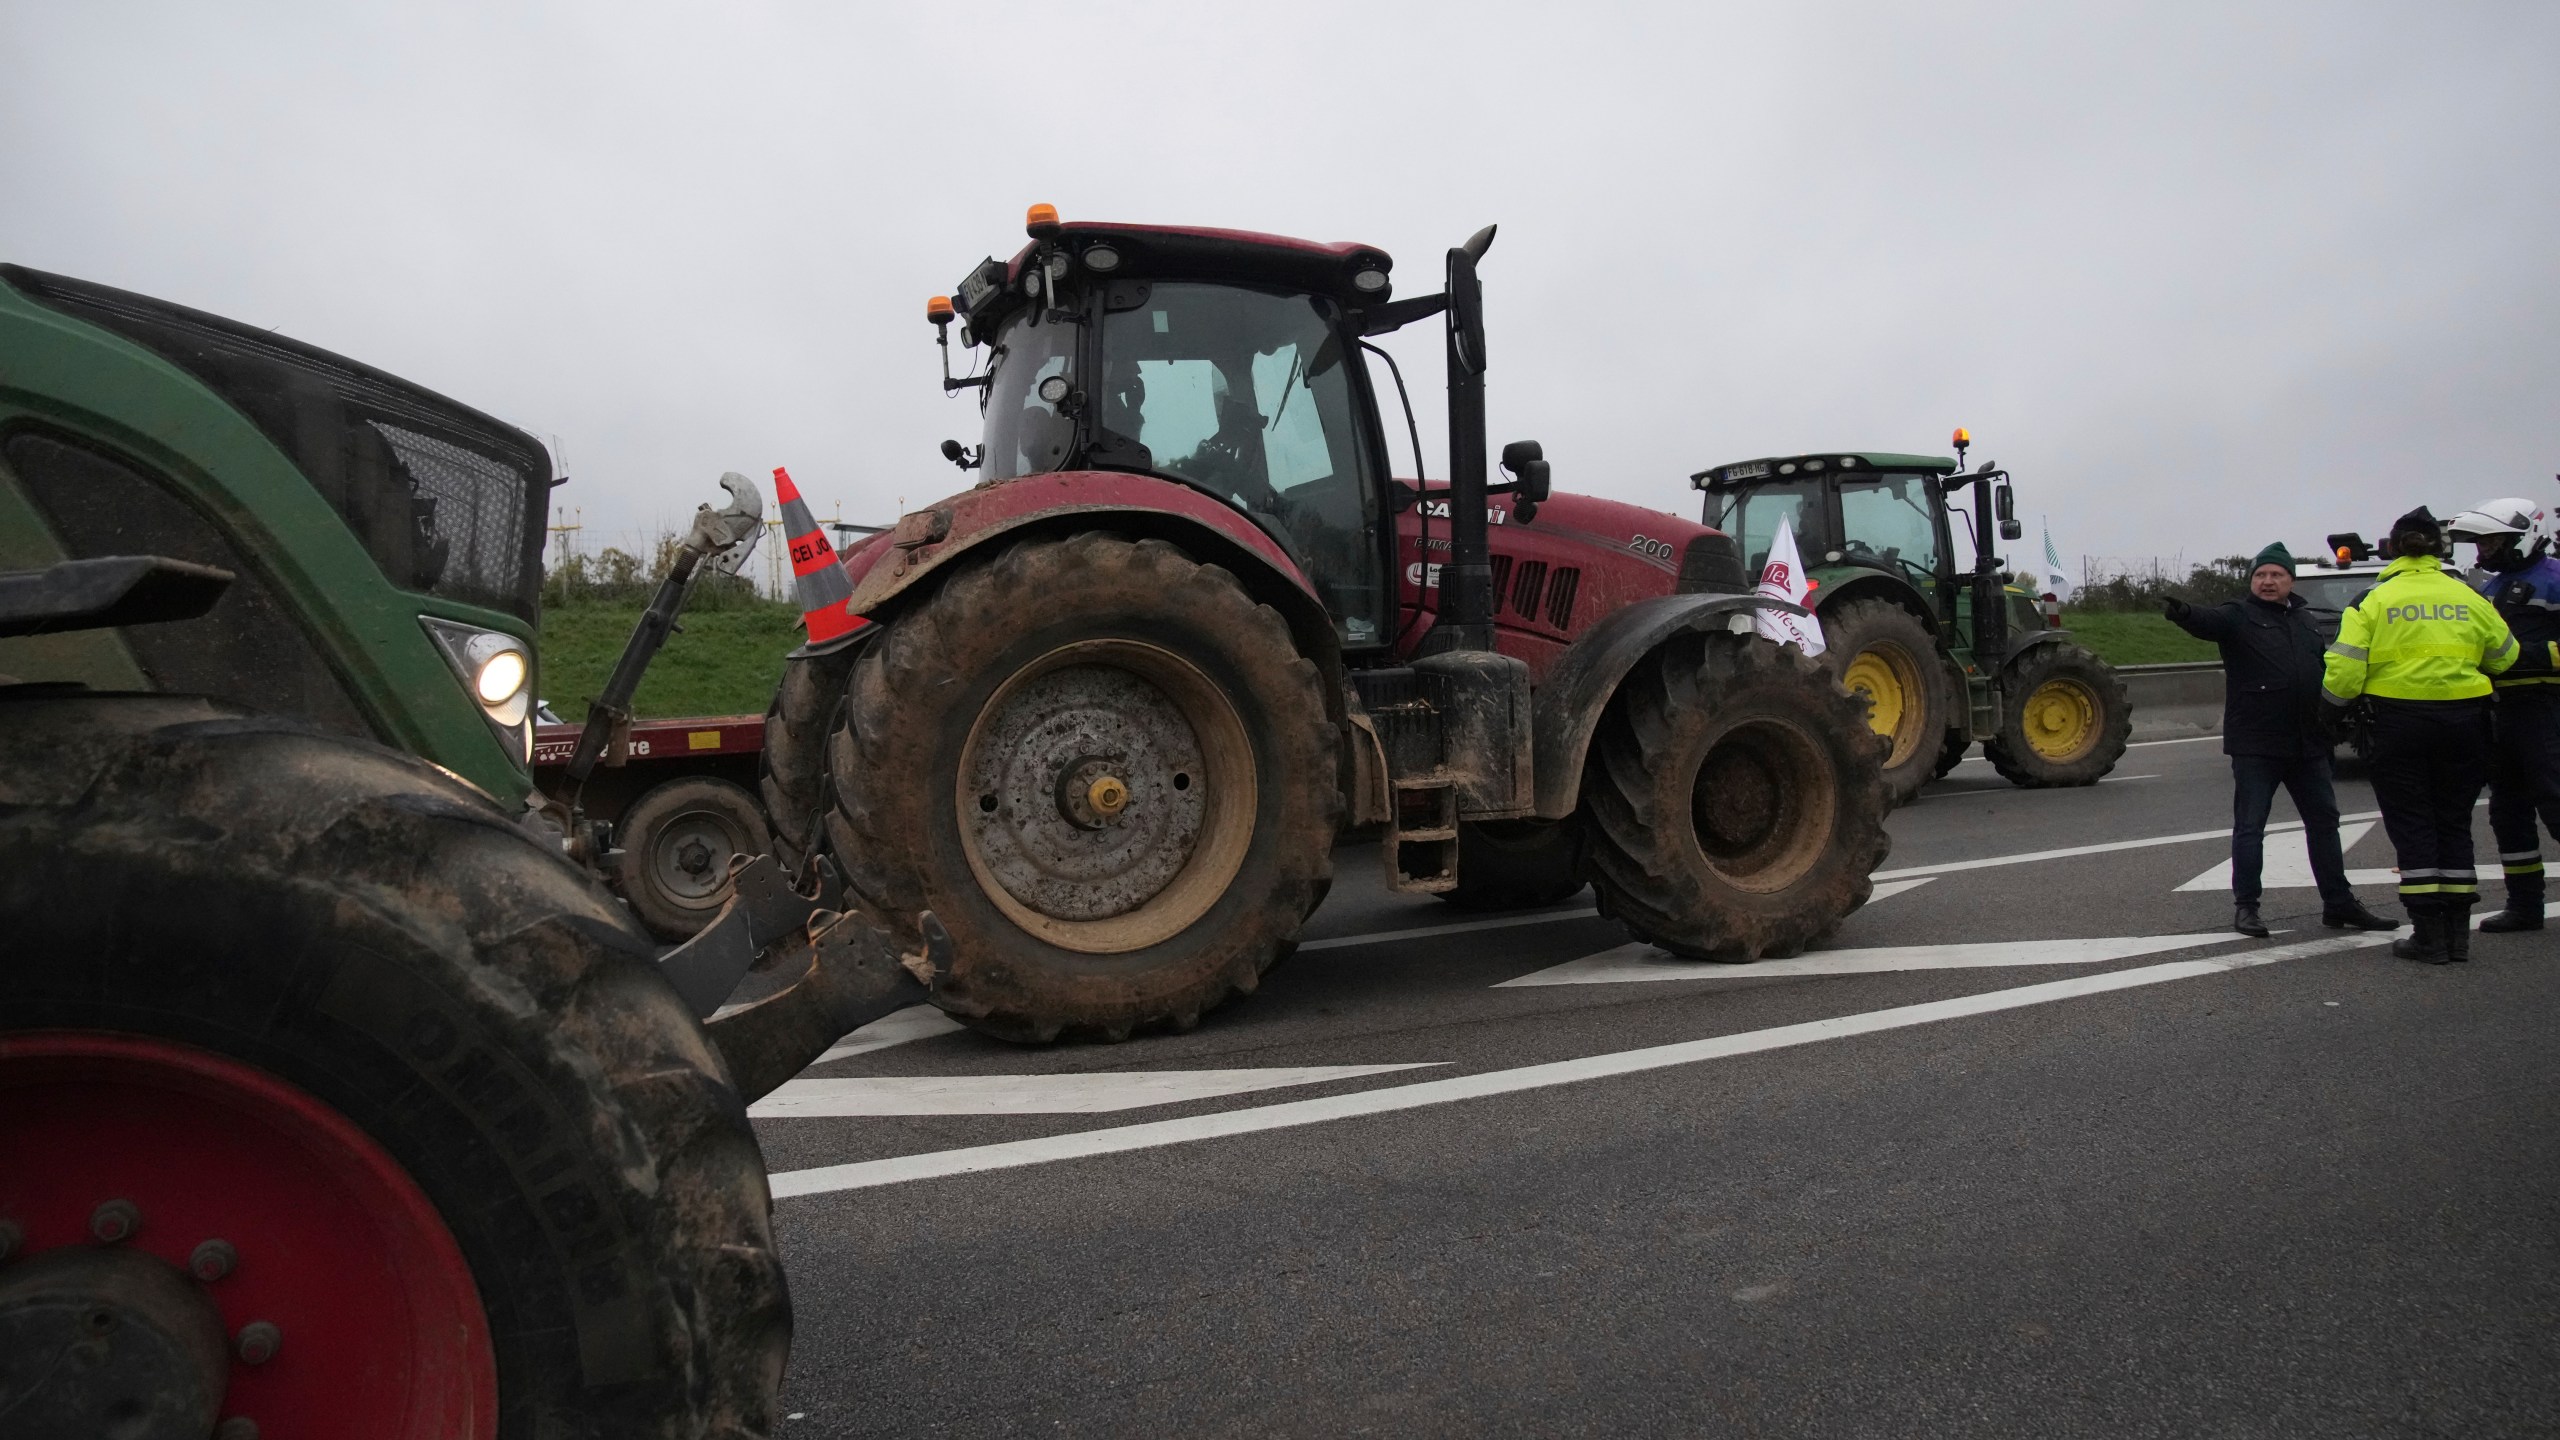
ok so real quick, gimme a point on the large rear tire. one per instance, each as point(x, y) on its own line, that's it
point(231, 939)
point(1517, 864)
point(1884, 654)
point(1109, 772)
point(1735, 799)
point(2066, 719)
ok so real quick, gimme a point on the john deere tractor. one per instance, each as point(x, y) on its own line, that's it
point(335, 1097)
point(1945, 655)
point(1116, 701)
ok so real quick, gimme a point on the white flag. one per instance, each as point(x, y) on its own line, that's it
point(2056, 583)
point(1783, 578)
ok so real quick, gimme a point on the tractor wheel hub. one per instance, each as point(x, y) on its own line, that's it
point(108, 1342)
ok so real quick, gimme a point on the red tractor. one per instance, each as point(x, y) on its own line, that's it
point(1120, 698)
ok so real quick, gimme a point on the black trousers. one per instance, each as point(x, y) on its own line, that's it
point(2524, 782)
point(2254, 782)
point(2430, 758)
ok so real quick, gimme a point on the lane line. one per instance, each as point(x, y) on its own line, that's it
point(1543, 917)
point(1086, 1094)
point(898, 1027)
point(2032, 856)
point(867, 1174)
point(2181, 740)
point(2286, 868)
point(1886, 890)
point(1641, 962)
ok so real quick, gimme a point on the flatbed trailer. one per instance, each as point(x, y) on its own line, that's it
point(679, 799)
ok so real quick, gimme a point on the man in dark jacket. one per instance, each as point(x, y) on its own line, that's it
point(2271, 659)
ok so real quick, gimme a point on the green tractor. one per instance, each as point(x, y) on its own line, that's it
point(336, 1096)
point(1945, 656)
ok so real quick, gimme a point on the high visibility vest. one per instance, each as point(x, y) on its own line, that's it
point(2420, 634)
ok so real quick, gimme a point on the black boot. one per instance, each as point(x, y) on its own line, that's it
point(2353, 916)
point(2425, 941)
point(2244, 918)
point(2457, 934)
point(2519, 915)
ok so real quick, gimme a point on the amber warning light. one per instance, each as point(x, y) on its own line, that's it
point(1041, 221)
point(938, 310)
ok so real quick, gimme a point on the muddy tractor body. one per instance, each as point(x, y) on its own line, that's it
point(1946, 654)
point(335, 1096)
point(1197, 618)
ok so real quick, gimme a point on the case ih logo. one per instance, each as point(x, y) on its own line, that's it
point(1776, 574)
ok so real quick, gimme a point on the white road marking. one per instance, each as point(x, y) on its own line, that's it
point(2181, 740)
point(898, 1027)
point(1644, 962)
point(2032, 856)
point(2287, 868)
point(2003, 789)
point(1578, 912)
point(2118, 779)
point(1254, 1119)
point(1090, 1094)
point(1890, 888)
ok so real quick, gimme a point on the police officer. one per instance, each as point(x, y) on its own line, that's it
point(2271, 674)
point(2519, 576)
point(2418, 644)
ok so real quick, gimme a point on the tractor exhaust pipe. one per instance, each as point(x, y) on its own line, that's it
point(1466, 581)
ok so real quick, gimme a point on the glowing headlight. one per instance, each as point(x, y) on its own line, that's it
point(498, 671)
point(502, 677)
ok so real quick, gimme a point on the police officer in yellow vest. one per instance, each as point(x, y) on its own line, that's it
point(2423, 645)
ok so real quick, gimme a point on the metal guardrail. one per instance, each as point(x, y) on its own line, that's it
point(2174, 701)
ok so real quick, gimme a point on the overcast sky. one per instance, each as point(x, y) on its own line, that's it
point(2201, 275)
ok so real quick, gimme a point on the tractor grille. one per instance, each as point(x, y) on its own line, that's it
point(1526, 589)
point(1712, 565)
point(448, 501)
point(1405, 706)
point(1560, 592)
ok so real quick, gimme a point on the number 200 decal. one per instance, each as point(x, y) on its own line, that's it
point(1647, 545)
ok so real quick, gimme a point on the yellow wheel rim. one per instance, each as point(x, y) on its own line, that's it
point(1890, 680)
point(2061, 720)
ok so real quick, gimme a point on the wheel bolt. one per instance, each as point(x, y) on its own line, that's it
point(258, 1342)
point(115, 1221)
point(238, 1427)
point(10, 1235)
point(212, 1260)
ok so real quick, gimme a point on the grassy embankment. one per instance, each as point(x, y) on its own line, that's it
point(727, 661)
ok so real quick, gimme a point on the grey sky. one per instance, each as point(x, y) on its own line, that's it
point(2201, 275)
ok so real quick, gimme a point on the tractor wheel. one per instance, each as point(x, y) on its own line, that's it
point(1882, 652)
point(1734, 798)
point(331, 1099)
point(1109, 772)
point(1951, 752)
point(1516, 864)
point(807, 707)
point(677, 842)
point(2065, 719)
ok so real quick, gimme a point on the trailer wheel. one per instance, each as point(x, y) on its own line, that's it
point(1883, 653)
point(1516, 864)
point(1736, 800)
point(297, 1031)
point(1106, 768)
point(2066, 719)
point(677, 841)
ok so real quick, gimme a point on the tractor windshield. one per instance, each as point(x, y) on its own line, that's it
point(1243, 393)
point(1751, 515)
point(1893, 519)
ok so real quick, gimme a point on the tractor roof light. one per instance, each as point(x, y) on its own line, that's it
point(938, 311)
point(1369, 280)
point(1101, 259)
point(1041, 222)
point(1963, 438)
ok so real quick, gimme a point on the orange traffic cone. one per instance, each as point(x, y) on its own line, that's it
point(817, 575)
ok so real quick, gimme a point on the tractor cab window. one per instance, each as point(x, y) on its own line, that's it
point(1027, 434)
point(1751, 517)
point(1890, 518)
point(1243, 393)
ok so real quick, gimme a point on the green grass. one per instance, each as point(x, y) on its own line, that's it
point(2136, 637)
point(726, 662)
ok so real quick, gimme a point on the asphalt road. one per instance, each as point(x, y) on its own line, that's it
point(2163, 1181)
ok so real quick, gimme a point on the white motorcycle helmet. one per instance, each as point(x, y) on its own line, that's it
point(2515, 516)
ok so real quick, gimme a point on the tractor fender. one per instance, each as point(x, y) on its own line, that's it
point(1578, 687)
point(887, 567)
point(1875, 585)
point(2019, 645)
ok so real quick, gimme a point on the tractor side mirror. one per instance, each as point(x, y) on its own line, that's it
point(2004, 505)
point(1526, 462)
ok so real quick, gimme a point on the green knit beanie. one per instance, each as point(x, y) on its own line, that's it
point(2274, 554)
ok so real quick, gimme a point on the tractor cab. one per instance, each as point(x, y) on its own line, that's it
point(1221, 361)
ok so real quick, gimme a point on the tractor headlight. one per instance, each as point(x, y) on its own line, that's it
point(498, 671)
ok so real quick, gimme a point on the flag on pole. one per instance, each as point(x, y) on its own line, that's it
point(1783, 578)
point(2055, 581)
